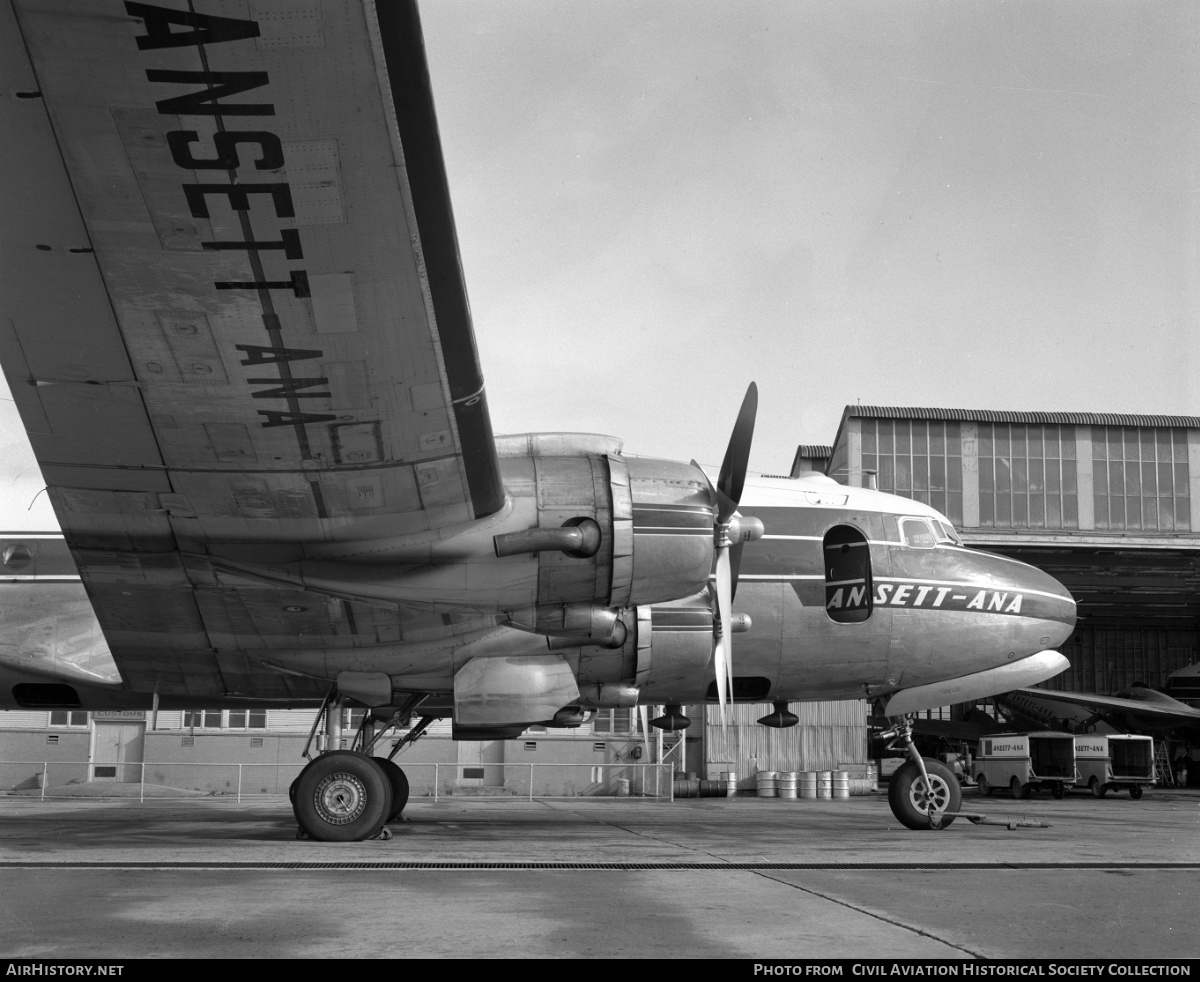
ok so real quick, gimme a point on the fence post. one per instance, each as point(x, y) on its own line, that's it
point(239, 784)
point(531, 783)
point(45, 777)
point(142, 792)
point(435, 783)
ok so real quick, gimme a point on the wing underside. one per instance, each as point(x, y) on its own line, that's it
point(234, 312)
point(1157, 706)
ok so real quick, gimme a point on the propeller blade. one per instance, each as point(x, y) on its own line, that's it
point(723, 666)
point(644, 717)
point(737, 456)
point(735, 565)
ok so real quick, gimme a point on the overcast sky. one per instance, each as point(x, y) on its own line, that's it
point(959, 204)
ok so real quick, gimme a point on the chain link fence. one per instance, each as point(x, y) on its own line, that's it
point(46, 780)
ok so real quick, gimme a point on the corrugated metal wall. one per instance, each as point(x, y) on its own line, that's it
point(829, 733)
point(1108, 660)
point(18, 719)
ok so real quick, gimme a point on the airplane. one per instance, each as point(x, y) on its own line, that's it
point(236, 329)
point(1138, 709)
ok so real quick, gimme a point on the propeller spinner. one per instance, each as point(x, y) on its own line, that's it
point(730, 531)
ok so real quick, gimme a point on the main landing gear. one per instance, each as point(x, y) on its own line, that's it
point(922, 790)
point(343, 796)
point(349, 795)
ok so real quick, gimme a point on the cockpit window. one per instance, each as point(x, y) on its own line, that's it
point(945, 532)
point(917, 532)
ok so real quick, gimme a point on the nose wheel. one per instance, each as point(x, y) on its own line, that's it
point(921, 791)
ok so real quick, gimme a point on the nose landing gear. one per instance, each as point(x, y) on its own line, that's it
point(921, 791)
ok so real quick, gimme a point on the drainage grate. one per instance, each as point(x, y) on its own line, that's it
point(745, 867)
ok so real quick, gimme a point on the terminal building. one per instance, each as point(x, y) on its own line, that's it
point(1108, 504)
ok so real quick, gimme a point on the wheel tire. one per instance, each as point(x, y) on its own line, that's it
point(399, 782)
point(1017, 788)
point(1058, 790)
point(907, 798)
point(981, 782)
point(1135, 791)
point(1095, 788)
point(342, 797)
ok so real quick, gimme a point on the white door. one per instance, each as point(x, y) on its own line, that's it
point(117, 754)
point(480, 763)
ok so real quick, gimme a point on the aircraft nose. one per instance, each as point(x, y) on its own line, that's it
point(1047, 609)
point(1059, 613)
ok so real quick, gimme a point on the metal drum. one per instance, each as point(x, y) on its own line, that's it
point(841, 784)
point(807, 784)
point(765, 782)
point(824, 784)
point(729, 779)
point(786, 783)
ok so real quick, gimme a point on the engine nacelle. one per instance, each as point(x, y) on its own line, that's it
point(675, 650)
point(655, 522)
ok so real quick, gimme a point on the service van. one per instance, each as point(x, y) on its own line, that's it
point(1110, 762)
point(1025, 762)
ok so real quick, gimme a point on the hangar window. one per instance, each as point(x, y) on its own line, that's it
point(848, 586)
point(218, 719)
point(617, 721)
point(1027, 476)
point(916, 458)
point(1140, 479)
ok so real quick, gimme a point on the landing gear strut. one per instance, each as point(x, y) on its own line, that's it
point(921, 791)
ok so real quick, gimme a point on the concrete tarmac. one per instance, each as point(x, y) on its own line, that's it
point(608, 878)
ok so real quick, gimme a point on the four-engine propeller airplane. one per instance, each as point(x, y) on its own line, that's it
point(236, 330)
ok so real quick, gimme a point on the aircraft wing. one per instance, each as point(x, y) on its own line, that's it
point(1156, 705)
point(233, 311)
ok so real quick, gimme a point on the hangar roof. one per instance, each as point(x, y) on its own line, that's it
point(1009, 416)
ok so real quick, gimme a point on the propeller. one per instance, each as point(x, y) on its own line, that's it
point(728, 532)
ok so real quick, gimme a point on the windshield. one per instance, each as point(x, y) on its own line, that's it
point(917, 532)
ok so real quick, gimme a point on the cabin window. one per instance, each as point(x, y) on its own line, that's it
point(848, 586)
point(918, 533)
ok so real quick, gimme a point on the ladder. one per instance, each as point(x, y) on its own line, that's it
point(1162, 767)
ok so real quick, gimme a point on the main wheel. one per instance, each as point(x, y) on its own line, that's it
point(911, 801)
point(343, 797)
point(981, 782)
point(399, 782)
point(1135, 791)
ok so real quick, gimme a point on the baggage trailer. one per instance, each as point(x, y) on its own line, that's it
point(1025, 762)
point(1110, 762)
